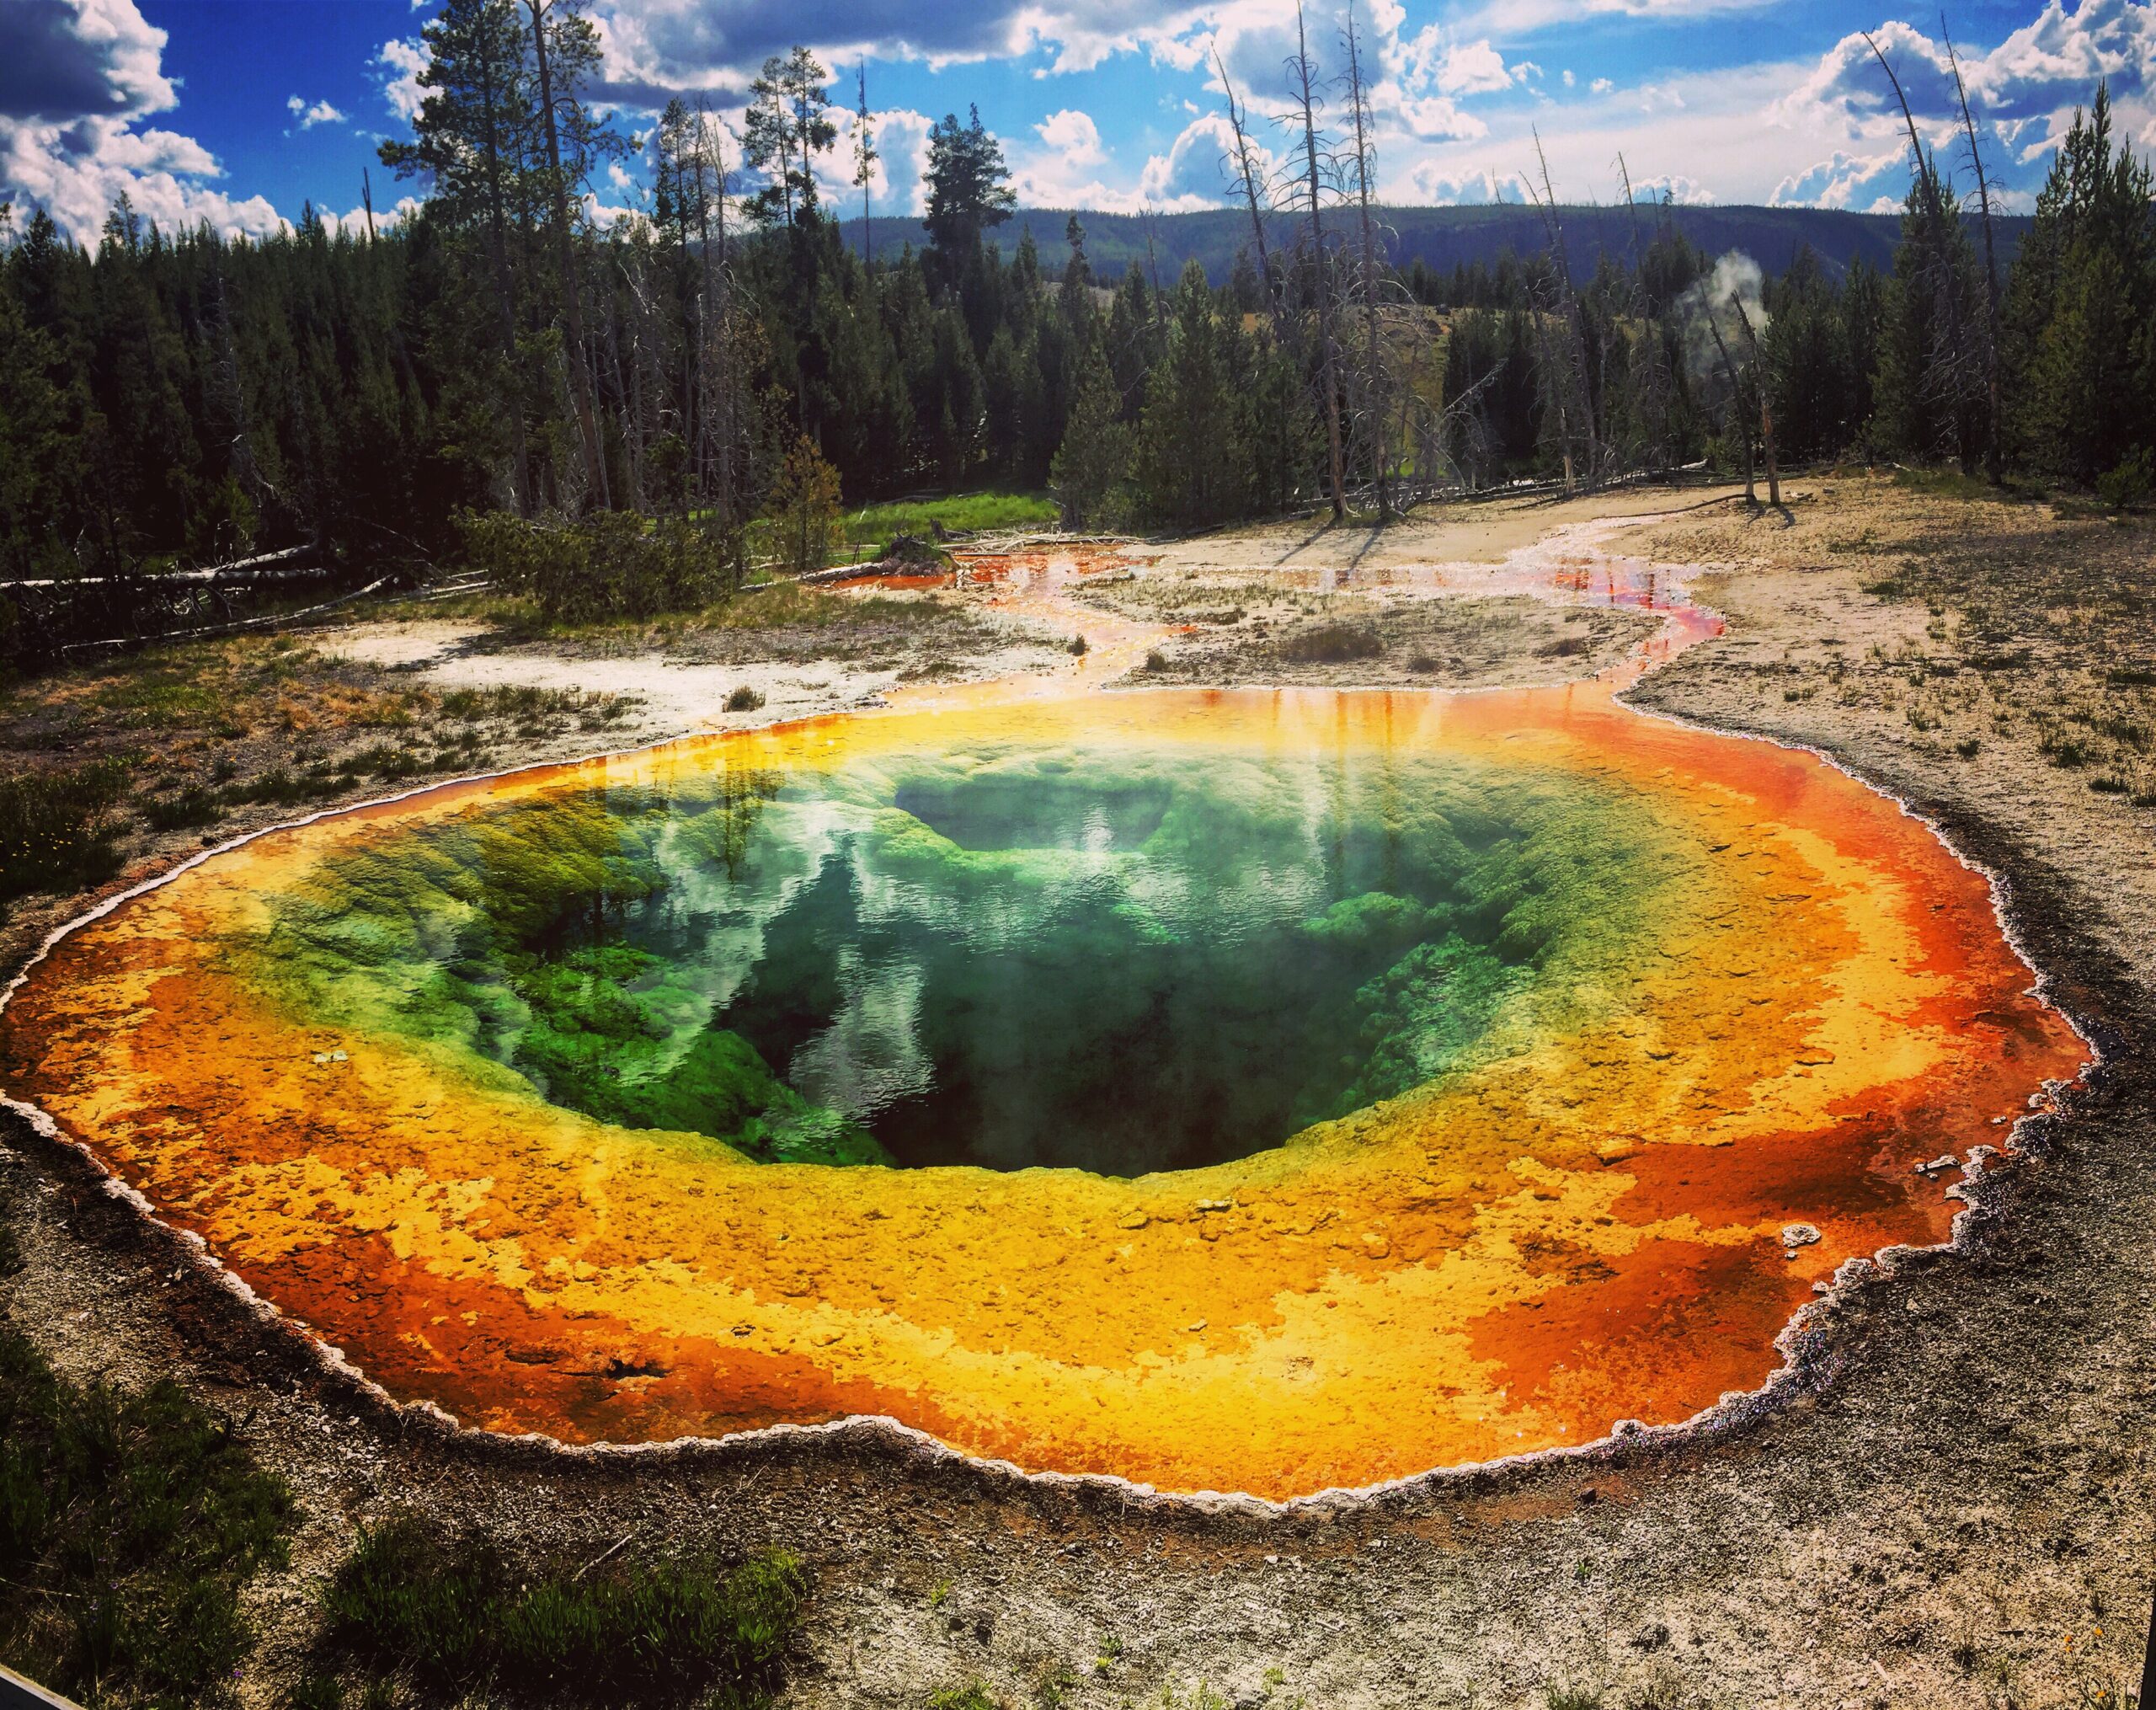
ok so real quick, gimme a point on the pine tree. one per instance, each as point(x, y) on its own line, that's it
point(2080, 354)
point(787, 125)
point(1191, 467)
point(1094, 460)
point(1928, 394)
point(968, 186)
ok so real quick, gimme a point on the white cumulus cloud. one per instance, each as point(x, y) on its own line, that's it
point(320, 113)
point(76, 79)
point(398, 65)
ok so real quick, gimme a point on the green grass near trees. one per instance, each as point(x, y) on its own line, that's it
point(958, 513)
point(453, 1615)
point(58, 828)
point(128, 1523)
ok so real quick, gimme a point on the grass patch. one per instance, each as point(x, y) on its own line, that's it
point(1332, 643)
point(128, 1524)
point(973, 1696)
point(2066, 751)
point(163, 698)
point(958, 513)
point(744, 699)
point(1566, 647)
point(57, 831)
point(1946, 482)
point(454, 1613)
point(181, 810)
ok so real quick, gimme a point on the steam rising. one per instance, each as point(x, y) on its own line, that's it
point(1708, 306)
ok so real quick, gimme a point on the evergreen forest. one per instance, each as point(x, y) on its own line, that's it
point(499, 366)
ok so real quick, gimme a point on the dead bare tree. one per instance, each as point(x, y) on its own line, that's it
point(1651, 365)
point(1945, 363)
point(1372, 386)
point(577, 356)
point(1573, 396)
point(1735, 406)
point(715, 411)
point(1302, 90)
point(1995, 437)
point(1248, 179)
point(1766, 405)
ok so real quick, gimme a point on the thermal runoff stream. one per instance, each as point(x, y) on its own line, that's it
point(1242, 1090)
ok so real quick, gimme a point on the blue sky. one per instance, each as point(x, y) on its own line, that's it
point(241, 112)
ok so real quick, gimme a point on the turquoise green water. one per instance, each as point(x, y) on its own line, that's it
point(1120, 958)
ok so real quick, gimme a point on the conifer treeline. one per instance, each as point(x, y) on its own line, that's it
point(184, 396)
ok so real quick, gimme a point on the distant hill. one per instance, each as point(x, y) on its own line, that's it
point(1444, 238)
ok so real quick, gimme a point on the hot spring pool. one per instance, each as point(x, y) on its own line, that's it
point(1252, 1090)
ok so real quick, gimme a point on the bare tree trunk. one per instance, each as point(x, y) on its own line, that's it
point(1581, 399)
point(701, 452)
point(1994, 435)
point(718, 313)
point(1766, 405)
point(1247, 171)
point(628, 397)
point(1655, 452)
point(1933, 201)
point(1307, 99)
point(587, 421)
point(1373, 384)
point(1736, 407)
point(504, 279)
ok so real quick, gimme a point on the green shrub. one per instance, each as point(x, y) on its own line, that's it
point(192, 806)
point(57, 829)
point(973, 1696)
point(803, 506)
point(2132, 485)
point(453, 1613)
point(1332, 643)
point(614, 565)
point(128, 1524)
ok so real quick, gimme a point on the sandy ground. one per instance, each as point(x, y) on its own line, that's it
point(1954, 1510)
point(675, 693)
point(1230, 629)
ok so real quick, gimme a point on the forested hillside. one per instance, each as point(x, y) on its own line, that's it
point(181, 397)
point(1445, 239)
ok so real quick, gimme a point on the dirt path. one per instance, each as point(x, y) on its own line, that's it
point(1957, 1511)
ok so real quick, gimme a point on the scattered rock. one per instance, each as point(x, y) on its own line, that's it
point(1796, 1235)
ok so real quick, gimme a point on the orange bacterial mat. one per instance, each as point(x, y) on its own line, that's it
point(1753, 996)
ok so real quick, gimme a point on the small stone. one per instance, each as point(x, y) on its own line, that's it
point(1133, 1220)
point(1216, 1205)
point(1796, 1235)
point(1945, 1161)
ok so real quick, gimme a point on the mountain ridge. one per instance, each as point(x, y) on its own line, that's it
point(1442, 237)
